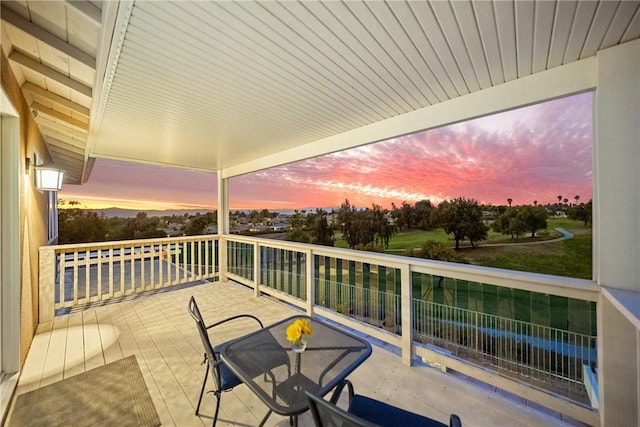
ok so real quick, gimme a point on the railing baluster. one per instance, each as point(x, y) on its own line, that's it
point(87, 280)
point(110, 268)
point(75, 278)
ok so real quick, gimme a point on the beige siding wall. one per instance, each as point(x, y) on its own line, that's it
point(33, 214)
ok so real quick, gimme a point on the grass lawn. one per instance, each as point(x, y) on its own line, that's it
point(569, 258)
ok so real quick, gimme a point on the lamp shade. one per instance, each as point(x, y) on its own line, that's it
point(48, 178)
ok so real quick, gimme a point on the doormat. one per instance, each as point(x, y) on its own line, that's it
point(111, 395)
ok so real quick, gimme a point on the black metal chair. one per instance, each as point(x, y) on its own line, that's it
point(367, 412)
point(223, 378)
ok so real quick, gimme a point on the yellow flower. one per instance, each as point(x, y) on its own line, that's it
point(306, 327)
point(294, 332)
point(298, 328)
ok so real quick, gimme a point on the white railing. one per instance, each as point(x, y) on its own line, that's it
point(369, 292)
point(74, 275)
point(292, 271)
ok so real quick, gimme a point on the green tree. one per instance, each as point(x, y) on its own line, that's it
point(310, 228)
point(143, 227)
point(298, 235)
point(77, 225)
point(198, 224)
point(435, 250)
point(365, 226)
point(321, 232)
point(345, 219)
point(297, 231)
point(509, 223)
point(407, 216)
point(462, 218)
point(534, 218)
point(423, 210)
point(581, 212)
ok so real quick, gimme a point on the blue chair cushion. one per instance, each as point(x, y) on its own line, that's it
point(228, 379)
point(383, 414)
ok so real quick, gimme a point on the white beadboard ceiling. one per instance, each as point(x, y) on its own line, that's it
point(210, 85)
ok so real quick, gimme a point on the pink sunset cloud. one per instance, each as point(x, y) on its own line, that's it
point(533, 153)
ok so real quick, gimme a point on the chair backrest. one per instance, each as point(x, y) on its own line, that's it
point(212, 359)
point(326, 414)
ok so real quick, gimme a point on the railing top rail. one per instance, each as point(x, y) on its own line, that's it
point(523, 280)
point(137, 242)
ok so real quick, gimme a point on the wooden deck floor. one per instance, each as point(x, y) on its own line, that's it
point(158, 330)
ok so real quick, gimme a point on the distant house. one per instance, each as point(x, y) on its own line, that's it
point(173, 229)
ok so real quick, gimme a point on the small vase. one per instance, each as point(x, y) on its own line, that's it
point(299, 345)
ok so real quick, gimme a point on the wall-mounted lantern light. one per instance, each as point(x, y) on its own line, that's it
point(47, 177)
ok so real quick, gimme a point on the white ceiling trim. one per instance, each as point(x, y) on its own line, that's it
point(115, 20)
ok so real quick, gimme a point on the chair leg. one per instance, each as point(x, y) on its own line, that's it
point(215, 416)
point(264, 420)
point(204, 384)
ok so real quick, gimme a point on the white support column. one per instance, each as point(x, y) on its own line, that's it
point(311, 284)
point(223, 224)
point(406, 289)
point(616, 230)
point(616, 153)
point(223, 204)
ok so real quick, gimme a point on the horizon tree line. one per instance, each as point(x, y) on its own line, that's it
point(362, 228)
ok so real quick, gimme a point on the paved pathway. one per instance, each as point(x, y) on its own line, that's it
point(565, 235)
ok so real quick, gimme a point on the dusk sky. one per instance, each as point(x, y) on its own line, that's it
point(533, 153)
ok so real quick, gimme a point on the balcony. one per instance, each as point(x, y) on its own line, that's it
point(238, 87)
point(112, 294)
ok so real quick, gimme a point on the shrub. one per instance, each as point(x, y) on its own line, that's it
point(437, 251)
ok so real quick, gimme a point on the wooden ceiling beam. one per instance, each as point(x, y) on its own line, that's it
point(12, 18)
point(56, 99)
point(50, 124)
point(50, 73)
point(57, 136)
point(77, 124)
point(62, 145)
point(87, 9)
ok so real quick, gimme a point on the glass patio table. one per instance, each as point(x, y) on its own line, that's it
point(265, 362)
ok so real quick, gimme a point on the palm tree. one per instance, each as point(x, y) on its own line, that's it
point(535, 203)
point(559, 199)
point(577, 198)
point(566, 201)
point(509, 200)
